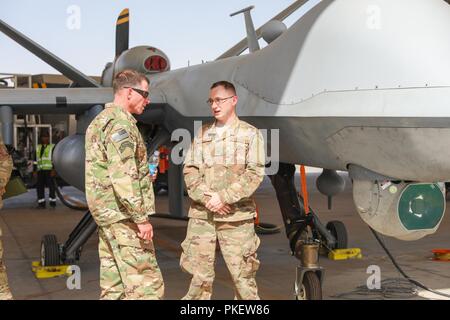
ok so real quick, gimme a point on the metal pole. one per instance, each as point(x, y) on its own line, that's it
point(6, 116)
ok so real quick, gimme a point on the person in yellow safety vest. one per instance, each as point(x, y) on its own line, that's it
point(45, 172)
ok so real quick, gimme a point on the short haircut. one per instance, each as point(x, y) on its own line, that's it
point(227, 85)
point(128, 78)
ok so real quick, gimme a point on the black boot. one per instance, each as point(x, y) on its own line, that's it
point(41, 205)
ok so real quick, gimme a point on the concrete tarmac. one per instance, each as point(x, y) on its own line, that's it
point(23, 227)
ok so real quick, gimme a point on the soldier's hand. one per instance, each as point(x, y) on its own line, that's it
point(154, 176)
point(226, 209)
point(214, 204)
point(145, 231)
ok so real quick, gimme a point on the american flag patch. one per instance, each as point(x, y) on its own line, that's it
point(119, 136)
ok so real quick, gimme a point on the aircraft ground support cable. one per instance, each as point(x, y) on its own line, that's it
point(394, 262)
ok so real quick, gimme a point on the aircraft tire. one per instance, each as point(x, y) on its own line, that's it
point(50, 255)
point(338, 230)
point(311, 288)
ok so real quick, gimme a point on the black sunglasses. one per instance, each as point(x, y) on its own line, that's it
point(143, 93)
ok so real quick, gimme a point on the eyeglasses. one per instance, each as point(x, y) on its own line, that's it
point(218, 101)
point(143, 93)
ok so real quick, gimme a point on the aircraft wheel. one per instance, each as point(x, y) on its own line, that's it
point(50, 251)
point(338, 230)
point(310, 288)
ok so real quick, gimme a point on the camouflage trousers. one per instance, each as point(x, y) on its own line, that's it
point(128, 266)
point(238, 243)
point(5, 293)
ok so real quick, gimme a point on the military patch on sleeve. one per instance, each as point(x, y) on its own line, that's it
point(120, 135)
point(125, 145)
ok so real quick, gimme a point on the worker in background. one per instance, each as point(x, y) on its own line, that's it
point(45, 172)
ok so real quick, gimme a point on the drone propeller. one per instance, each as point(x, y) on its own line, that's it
point(122, 32)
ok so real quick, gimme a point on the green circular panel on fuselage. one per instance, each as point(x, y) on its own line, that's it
point(421, 206)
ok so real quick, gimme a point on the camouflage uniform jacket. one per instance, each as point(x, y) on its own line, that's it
point(118, 185)
point(6, 165)
point(231, 164)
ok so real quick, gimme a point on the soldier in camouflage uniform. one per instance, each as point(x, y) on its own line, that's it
point(120, 194)
point(6, 165)
point(223, 168)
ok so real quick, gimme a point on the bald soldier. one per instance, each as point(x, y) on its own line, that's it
point(120, 194)
point(223, 168)
point(6, 166)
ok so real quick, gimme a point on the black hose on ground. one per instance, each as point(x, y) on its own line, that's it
point(415, 282)
point(267, 228)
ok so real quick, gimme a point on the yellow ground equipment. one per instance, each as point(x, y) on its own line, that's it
point(50, 271)
point(344, 254)
point(441, 255)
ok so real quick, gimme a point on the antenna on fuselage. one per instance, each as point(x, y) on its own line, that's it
point(252, 39)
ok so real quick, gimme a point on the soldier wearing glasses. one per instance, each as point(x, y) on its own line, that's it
point(223, 168)
point(120, 194)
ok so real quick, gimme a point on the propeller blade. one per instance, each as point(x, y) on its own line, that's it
point(66, 69)
point(122, 32)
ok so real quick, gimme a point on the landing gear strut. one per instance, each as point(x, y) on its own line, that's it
point(304, 229)
point(53, 254)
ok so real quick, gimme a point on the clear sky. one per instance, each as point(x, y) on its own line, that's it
point(185, 30)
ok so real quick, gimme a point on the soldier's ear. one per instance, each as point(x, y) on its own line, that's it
point(127, 92)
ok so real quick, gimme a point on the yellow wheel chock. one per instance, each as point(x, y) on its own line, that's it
point(344, 254)
point(50, 271)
